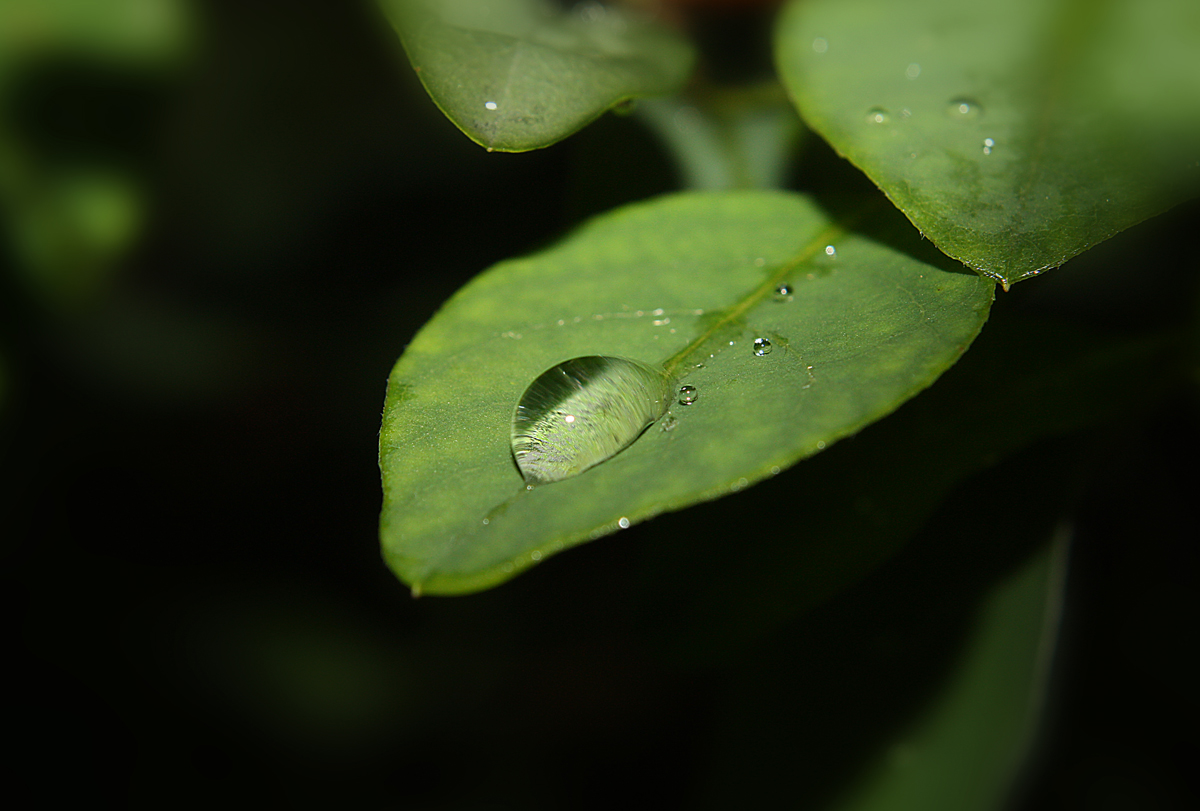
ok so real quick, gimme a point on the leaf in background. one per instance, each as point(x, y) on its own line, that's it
point(72, 213)
point(963, 754)
point(690, 283)
point(516, 75)
point(1014, 135)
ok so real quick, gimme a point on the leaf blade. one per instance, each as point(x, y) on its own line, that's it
point(1057, 148)
point(514, 75)
point(671, 282)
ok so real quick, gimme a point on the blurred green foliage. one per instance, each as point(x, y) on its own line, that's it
point(73, 199)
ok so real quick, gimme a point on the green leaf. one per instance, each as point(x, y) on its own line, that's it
point(1014, 135)
point(963, 754)
point(686, 282)
point(516, 75)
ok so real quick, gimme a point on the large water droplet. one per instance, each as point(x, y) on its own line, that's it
point(877, 115)
point(687, 395)
point(762, 347)
point(964, 109)
point(583, 411)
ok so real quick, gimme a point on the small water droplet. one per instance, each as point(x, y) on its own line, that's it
point(831, 251)
point(623, 522)
point(877, 115)
point(491, 105)
point(687, 395)
point(988, 143)
point(913, 71)
point(762, 347)
point(535, 555)
point(964, 109)
point(582, 412)
point(783, 292)
point(820, 45)
point(669, 423)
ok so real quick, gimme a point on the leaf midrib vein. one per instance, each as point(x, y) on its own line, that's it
point(824, 237)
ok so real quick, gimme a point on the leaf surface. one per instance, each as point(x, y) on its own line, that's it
point(1014, 135)
point(516, 75)
point(688, 283)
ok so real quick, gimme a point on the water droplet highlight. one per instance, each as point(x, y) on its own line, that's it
point(877, 115)
point(964, 109)
point(988, 143)
point(783, 292)
point(687, 395)
point(831, 251)
point(490, 105)
point(623, 522)
point(582, 412)
point(762, 347)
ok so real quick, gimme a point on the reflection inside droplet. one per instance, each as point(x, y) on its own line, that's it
point(762, 347)
point(582, 412)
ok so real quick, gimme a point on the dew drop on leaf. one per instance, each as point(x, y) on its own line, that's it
point(964, 109)
point(762, 347)
point(687, 395)
point(583, 411)
point(783, 292)
point(877, 115)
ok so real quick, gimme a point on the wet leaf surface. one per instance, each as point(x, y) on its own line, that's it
point(689, 284)
point(1015, 136)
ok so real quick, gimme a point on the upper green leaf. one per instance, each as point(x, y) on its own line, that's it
point(1014, 135)
point(687, 284)
point(516, 75)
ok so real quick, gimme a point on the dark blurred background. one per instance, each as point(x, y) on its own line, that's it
point(222, 222)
